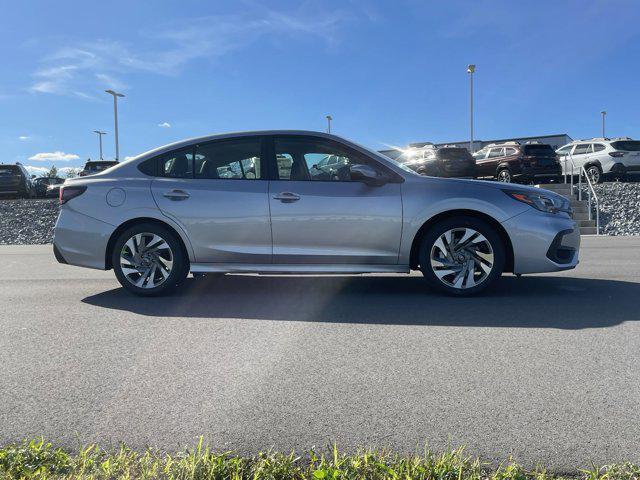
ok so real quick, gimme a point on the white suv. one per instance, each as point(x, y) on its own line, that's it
point(601, 157)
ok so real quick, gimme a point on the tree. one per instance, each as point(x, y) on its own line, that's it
point(52, 173)
point(72, 173)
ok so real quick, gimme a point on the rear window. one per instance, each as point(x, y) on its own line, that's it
point(626, 145)
point(454, 153)
point(539, 150)
point(7, 170)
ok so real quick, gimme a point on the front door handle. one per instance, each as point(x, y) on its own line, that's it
point(176, 195)
point(287, 197)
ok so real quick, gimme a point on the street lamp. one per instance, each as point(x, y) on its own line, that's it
point(604, 114)
point(100, 140)
point(115, 114)
point(470, 70)
point(329, 118)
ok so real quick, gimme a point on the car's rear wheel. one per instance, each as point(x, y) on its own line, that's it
point(148, 260)
point(462, 256)
point(594, 173)
point(504, 175)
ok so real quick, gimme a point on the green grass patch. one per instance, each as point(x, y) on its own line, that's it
point(42, 460)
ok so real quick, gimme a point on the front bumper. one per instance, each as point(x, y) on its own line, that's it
point(81, 240)
point(543, 242)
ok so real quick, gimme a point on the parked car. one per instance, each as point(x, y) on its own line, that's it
point(513, 162)
point(601, 157)
point(164, 213)
point(92, 167)
point(447, 161)
point(42, 186)
point(15, 181)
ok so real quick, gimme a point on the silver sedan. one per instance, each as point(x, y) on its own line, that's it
point(304, 202)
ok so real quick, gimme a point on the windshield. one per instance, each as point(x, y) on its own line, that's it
point(539, 150)
point(9, 170)
point(627, 146)
point(454, 153)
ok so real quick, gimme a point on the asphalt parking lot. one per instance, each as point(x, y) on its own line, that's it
point(546, 367)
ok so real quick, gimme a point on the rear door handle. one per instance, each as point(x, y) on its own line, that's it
point(176, 195)
point(287, 197)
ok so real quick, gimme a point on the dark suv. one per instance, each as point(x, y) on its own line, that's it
point(15, 181)
point(512, 162)
point(97, 166)
point(447, 161)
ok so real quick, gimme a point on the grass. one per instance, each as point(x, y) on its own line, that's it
point(37, 459)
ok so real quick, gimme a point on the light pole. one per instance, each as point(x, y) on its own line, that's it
point(115, 114)
point(100, 140)
point(329, 118)
point(604, 114)
point(470, 70)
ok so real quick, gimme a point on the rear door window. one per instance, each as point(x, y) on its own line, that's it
point(598, 147)
point(582, 148)
point(238, 159)
point(176, 164)
point(496, 152)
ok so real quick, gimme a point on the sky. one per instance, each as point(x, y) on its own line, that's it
point(388, 72)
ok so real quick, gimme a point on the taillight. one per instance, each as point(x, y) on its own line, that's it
point(71, 191)
point(616, 154)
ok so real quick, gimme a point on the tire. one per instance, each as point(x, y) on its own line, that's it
point(594, 173)
point(504, 176)
point(149, 271)
point(485, 246)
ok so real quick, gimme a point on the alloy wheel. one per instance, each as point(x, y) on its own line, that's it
point(504, 176)
point(146, 260)
point(462, 258)
point(594, 174)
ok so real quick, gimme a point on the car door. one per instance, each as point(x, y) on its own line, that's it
point(217, 192)
point(490, 164)
point(580, 155)
point(481, 160)
point(330, 219)
point(564, 154)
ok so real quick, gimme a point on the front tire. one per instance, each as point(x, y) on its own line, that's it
point(461, 256)
point(149, 260)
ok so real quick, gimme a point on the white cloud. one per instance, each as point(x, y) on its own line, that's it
point(24, 138)
point(164, 125)
point(56, 156)
point(92, 66)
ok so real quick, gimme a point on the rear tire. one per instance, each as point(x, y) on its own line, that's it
point(504, 176)
point(594, 173)
point(461, 256)
point(148, 260)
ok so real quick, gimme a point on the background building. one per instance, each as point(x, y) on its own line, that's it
point(556, 141)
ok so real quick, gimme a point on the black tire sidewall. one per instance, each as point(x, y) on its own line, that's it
point(180, 262)
point(499, 253)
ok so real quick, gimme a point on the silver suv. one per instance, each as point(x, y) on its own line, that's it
point(262, 202)
point(601, 157)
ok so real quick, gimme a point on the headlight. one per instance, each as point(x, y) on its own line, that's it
point(542, 202)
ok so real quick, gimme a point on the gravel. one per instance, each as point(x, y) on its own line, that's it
point(27, 222)
point(619, 207)
point(31, 222)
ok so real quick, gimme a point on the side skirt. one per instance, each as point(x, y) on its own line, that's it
point(296, 268)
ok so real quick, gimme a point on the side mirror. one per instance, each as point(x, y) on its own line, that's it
point(367, 175)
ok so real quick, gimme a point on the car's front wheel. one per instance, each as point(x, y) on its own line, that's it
point(461, 256)
point(148, 260)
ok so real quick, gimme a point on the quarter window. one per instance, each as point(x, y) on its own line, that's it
point(231, 160)
point(314, 159)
